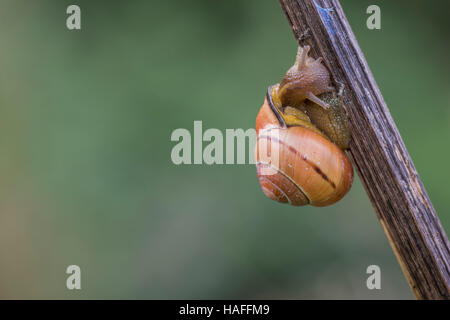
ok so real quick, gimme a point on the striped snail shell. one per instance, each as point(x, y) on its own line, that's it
point(296, 164)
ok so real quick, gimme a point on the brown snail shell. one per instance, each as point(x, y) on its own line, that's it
point(308, 168)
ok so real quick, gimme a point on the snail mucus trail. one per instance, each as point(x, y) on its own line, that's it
point(301, 137)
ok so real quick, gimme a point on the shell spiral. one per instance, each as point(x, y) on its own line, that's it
point(298, 166)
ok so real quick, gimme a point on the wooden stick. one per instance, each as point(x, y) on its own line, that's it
point(377, 149)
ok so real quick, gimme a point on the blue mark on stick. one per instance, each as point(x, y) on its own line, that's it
point(325, 14)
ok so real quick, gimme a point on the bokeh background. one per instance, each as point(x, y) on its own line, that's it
point(86, 174)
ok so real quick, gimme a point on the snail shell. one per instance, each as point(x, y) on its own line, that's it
point(297, 165)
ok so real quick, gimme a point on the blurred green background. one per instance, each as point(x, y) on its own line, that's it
point(87, 179)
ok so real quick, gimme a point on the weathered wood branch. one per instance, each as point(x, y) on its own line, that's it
point(377, 149)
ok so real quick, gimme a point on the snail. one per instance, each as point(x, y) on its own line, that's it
point(302, 135)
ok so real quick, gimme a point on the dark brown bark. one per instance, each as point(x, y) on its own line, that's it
point(377, 149)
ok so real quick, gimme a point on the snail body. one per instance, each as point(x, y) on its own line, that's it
point(305, 80)
point(300, 157)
